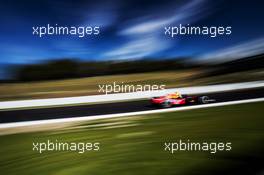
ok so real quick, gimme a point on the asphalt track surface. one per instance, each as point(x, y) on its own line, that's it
point(9, 116)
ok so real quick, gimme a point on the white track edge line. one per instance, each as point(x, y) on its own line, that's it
point(96, 117)
point(9, 105)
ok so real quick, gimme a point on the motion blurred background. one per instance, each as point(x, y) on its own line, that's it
point(131, 47)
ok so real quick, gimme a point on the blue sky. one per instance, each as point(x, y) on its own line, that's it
point(130, 29)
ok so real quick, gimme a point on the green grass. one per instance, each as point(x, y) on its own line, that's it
point(89, 86)
point(135, 145)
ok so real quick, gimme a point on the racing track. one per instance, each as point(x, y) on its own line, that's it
point(9, 116)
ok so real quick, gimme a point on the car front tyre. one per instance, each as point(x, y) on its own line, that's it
point(203, 99)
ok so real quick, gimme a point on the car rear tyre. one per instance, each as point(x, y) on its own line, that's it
point(166, 104)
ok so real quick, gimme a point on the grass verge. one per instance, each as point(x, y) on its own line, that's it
point(89, 86)
point(135, 145)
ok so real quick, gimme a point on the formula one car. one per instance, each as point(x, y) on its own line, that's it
point(176, 99)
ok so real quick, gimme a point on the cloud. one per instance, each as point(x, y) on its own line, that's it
point(138, 48)
point(241, 50)
point(182, 15)
point(145, 37)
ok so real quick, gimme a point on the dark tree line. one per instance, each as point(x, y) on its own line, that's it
point(69, 68)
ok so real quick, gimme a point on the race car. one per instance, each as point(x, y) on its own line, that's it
point(176, 98)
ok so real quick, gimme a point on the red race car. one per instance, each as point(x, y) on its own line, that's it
point(177, 99)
